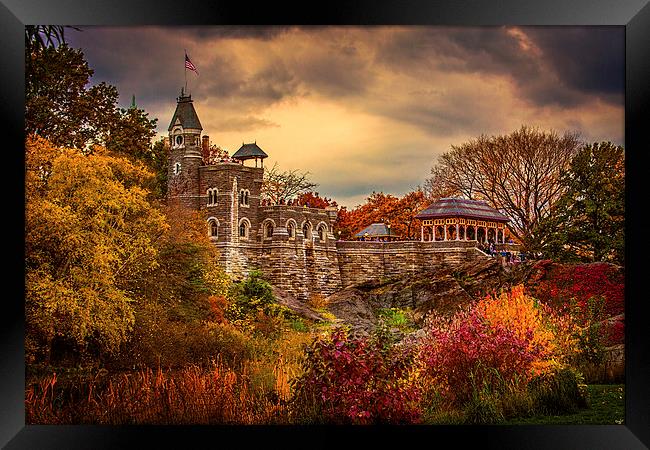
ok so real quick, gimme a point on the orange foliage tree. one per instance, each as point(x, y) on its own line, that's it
point(379, 207)
point(313, 200)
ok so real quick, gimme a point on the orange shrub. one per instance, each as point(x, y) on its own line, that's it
point(550, 332)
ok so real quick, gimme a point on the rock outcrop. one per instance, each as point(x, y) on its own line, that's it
point(295, 305)
point(443, 288)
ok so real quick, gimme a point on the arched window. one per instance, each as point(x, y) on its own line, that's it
point(306, 230)
point(212, 196)
point(244, 197)
point(177, 138)
point(268, 230)
point(291, 229)
point(322, 232)
point(244, 226)
point(213, 228)
point(177, 168)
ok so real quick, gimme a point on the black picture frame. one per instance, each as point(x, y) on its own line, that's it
point(634, 15)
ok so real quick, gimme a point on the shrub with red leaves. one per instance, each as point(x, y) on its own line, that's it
point(465, 353)
point(565, 285)
point(356, 381)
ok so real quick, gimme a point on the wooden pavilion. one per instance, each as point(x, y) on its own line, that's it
point(461, 219)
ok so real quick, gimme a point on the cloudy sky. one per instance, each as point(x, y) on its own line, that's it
point(367, 108)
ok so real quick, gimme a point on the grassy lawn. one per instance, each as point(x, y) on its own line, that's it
point(607, 407)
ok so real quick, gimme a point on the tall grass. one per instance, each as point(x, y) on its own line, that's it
point(192, 395)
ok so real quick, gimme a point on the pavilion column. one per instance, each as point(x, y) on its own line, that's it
point(445, 232)
point(465, 232)
point(457, 231)
point(422, 233)
point(433, 233)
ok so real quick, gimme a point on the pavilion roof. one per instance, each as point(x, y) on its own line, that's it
point(375, 230)
point(460, 207)
point(247, 151)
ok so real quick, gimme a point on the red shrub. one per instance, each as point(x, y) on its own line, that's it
point(359, 381)
point(466, 353)
point(564, 285)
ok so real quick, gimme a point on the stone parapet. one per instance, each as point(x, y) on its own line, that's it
point(361, 261)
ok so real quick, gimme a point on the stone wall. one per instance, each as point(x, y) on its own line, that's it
point(225, 177)
point(294, 246)
point(303, 266)
point(361, 261)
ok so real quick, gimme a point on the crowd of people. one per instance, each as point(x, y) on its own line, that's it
point(314, 202)
point(505, 256)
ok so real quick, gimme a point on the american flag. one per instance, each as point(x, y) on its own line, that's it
point(189, 65)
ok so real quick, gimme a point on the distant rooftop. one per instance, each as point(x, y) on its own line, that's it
point(248, 151)
point(460, 207)
point(374, 230)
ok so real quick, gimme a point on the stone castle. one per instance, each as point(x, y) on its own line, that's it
point(293, 246)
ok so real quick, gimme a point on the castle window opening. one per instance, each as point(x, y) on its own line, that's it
point(268, 230)
point(177, 168)
point(244, 226)
point(244, 197)
point(291, 229)
point(213, 228)
point(212, 196)
point(321, 233)
point(306, 230)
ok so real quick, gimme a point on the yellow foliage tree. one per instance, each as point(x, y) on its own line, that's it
point(89, 236)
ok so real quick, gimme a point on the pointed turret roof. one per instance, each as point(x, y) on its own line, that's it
point(185, 114)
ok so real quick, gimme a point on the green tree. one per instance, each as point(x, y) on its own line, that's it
point(130, 133)
point(157, 161)
point(588, 222)
point(59, 105)
point(90, 236)
point(63, 107)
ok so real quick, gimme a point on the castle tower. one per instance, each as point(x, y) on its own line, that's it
point(185, 155)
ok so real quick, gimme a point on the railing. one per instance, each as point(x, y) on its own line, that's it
point(405, 244)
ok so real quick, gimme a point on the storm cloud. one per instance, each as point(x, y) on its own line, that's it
point(367, 108)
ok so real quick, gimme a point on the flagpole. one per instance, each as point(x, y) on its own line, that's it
point(185, 66)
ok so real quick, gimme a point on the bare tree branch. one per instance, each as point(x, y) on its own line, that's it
point(283, 185)
point(518, 174)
